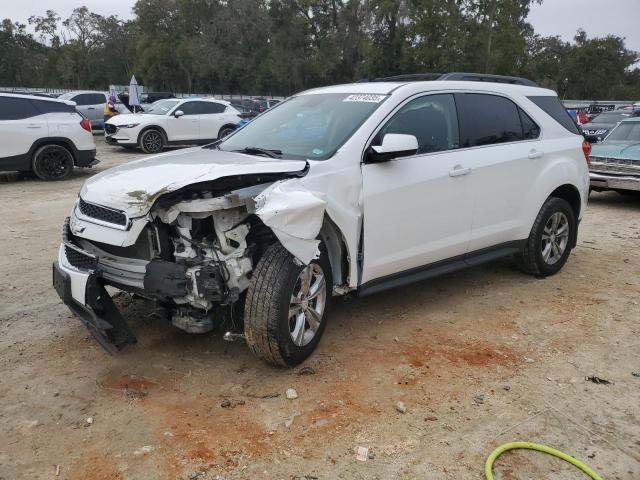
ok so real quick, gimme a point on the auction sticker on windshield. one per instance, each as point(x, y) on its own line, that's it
point(364, 97)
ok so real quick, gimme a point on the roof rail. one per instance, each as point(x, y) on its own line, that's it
point(459, 76)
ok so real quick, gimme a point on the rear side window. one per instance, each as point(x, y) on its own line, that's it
point(553, 108)
point(488, 119)
point(53, 107)
point(12, 108)
point(207, 108)
point(530, 129)
point(89, 99)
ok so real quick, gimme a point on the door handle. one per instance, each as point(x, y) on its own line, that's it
point(34, 125)
point(91, 108)
point(459, 171)
point(533, 154)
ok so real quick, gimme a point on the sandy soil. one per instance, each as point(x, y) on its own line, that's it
point(480, 357)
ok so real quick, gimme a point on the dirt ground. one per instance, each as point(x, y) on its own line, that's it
point(479, 358)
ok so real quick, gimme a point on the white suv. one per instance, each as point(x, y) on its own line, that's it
point(173, 121)
point(43, 135)
point(358, 187)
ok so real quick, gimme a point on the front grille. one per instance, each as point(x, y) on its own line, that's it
point(620, 166)
point(79, 259)
point(102, 213)
point(110, 129)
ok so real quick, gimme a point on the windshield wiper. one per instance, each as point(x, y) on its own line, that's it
point(261, 151)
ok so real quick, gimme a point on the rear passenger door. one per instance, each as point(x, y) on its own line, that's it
point(504, 143)
point(20, 126)
point(212, 119)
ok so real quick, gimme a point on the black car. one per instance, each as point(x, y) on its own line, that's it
point(150, 97)
point(600, 126)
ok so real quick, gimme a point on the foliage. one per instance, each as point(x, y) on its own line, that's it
point(280, 47)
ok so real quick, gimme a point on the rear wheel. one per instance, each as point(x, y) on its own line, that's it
point(551, 239)
point(52, 162)
point(286, 305)
point(151, 141)
point(226, 130)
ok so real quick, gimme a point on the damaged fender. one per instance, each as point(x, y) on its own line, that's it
point(295, 216)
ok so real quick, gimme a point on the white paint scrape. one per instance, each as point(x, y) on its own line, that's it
point(295, 215)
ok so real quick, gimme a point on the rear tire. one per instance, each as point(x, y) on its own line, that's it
point(52, 162)
point(551, 239)
point(284, 319)
point(151, 141)
point(226, 130)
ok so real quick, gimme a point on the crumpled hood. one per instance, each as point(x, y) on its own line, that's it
point(624, 150)
point(127, 118)
point(134, 187)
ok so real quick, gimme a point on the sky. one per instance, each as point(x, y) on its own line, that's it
point(553, 17)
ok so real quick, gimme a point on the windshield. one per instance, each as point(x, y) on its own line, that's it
point(306, 127)
point(626, 132)
point(162, 107)
point(66, 96)
point(610, 117)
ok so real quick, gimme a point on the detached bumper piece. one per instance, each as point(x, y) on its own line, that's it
point(100, 315)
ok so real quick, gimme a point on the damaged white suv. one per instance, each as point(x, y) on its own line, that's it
point(358, 187)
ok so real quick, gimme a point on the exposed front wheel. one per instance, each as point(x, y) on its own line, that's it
point(151, 141)
point(551, 239)
point(52, 162)
point(286, 305)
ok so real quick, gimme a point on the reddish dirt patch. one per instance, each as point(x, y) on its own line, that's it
point(95, 466)
point(475, 354)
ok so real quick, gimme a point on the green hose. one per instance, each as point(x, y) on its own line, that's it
point(488, 466)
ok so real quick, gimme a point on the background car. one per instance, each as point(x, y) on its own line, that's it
point(173, 122)
point(90, 104)
point(615, 163)
point(43, 135)
point(598, 128)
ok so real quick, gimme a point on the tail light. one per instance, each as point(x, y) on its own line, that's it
point(586, 149)
point(86, 124)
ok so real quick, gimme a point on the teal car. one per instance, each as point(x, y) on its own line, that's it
point(615, 162)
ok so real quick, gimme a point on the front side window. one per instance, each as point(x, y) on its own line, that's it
point(13, 108)
point(309, 126)
point(432, 119)
point(162, 107)
point(625, 132)
point(190, 108)
point(488, 119)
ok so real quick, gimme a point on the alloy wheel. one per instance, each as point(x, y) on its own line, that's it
point(307, 304)
point(54, 162)
point(152, 141)
point(555, 238)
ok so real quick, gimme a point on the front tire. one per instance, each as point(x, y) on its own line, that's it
point(151, 141)
point(286, 305)
point(551, 240)
point(52, 162)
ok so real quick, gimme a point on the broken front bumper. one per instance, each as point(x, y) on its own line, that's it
point(83, 291)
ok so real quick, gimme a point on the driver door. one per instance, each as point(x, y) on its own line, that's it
point(418, 209)
point(187, 127)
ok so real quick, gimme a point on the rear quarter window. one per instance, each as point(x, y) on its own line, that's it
point(552, 107)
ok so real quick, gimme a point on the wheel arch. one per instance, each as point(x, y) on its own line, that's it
point(152, 127)
point(60, 141)
point(571, 195)
point(226, 125)
point(337, 252)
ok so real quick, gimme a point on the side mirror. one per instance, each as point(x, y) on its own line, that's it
point(178, 113)
point(394, 145)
